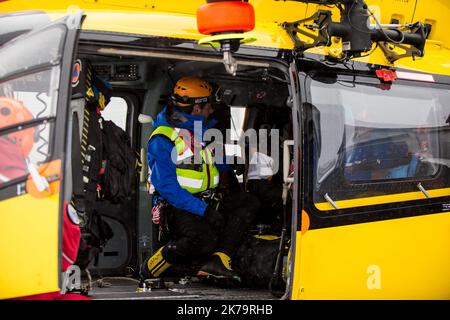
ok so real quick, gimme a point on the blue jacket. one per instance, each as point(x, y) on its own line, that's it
point(163, 170)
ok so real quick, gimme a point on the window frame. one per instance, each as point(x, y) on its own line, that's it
point(409, 184)
point(54, 142)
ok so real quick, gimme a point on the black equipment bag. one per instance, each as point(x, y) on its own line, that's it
point(95, 232)
point(121, 164)
point(87, 156)
point(255, 260)
point(109, 147)
point(93, 239)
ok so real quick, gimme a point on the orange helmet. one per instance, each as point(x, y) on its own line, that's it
point(14, 112)
point(189, 91)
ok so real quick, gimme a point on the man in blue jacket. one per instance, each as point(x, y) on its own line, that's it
point(184, 181)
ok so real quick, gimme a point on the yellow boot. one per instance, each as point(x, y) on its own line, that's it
point(155, 265)
point(218, 266)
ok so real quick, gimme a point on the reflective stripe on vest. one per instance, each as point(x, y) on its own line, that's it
point(192, 176)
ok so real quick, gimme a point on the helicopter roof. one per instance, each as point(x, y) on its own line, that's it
point(177, 19)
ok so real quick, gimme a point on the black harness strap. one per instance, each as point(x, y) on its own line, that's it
point(77, 182)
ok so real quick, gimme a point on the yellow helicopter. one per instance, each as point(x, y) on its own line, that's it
point(359, 90)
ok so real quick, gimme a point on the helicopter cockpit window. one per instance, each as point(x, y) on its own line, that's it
point(367, 135)
point(26, 99)
point(29, 79)
point(35, 51)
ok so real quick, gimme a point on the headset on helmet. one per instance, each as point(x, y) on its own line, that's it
point(14, 112)
point(189, 91)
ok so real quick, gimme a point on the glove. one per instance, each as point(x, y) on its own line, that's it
point(214, 218)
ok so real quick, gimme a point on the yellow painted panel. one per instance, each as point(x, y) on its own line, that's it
point(401, 10)
point(176, 19)
point(437, 15)
point(28, 246)
point(399, 197)
point(268, 34)
point(406, 258)
point(181, 26)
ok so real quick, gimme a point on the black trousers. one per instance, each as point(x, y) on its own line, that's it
point(270, 196)
point(193, 239)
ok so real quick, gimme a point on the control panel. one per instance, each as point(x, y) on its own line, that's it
point(118, 72)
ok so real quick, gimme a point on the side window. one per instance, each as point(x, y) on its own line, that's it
point(116, 111)
point(370, 142)
point(25, 100)
point(28, 93)
point(373, 153)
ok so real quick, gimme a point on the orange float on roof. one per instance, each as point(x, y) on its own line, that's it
point(227, 16)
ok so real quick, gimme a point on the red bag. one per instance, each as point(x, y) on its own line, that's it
point(71, 236)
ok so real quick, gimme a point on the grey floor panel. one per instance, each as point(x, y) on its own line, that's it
point(127, 290)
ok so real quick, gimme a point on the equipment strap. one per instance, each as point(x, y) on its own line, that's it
point(77, 182)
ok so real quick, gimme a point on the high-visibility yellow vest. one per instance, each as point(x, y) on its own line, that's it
point(195, 172)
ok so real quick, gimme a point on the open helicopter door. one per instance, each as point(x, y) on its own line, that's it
point(35, 84)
